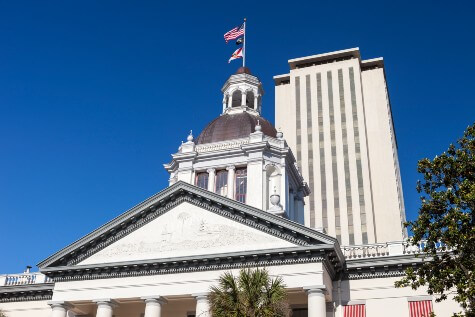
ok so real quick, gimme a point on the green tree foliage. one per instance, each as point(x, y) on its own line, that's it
point(251, 294)
point(446, 221)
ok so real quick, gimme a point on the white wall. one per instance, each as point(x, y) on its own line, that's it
point(26, 309)
point(388, 202)
point(383, 299)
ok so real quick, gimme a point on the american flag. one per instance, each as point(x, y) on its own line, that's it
point(234, 33)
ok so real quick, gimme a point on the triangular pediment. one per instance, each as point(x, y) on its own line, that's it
point(186, 230)
point(184, 221)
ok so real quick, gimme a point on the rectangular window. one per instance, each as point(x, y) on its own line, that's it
point(336, 193)
point(298, 123)
point(354, 310)
point(222, 183)
point(241, 185)
point(310, 151)
point(321, 142)
point(202, 180)
point(299, 312)
point(421, 308)
point(346, 161)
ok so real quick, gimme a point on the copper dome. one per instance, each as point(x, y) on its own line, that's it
point(234, 126)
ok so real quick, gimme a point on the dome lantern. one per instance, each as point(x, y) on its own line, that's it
point(242, 92)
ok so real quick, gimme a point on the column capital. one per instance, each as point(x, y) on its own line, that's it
point(59, 304)
point(315, 289)
point(211, 170)
point(230, 167)
point(106, 302)
point(154, 299)
point(200, 296)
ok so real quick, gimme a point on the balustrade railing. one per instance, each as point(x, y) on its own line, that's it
point(387, 249)
point(24, 279)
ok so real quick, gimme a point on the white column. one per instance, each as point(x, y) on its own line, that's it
point(59, 309)
point(316, 302)
point(300, 207)
point(291, 205)
point(256, 106)
point(224, 103)
point(231, 171)
point(105, 307)
point(153, 305)
point(211, 179)
point(202, 305)
point(243, 99)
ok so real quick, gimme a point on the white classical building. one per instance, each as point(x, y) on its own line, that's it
point(235, 200)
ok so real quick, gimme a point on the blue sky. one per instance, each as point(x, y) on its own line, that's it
point(96, 95)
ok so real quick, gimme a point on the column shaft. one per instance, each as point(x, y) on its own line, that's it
point(316, 303)
point(231, 172)
point(243, 99)
point(153, 306)
point(105, 307)
point(202, 306)
point(211, 179)
point(58, 309)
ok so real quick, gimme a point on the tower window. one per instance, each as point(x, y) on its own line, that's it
point(222, 182)
point(237, 98)
point(250, 100)
point(201, 180)
point(241, 185)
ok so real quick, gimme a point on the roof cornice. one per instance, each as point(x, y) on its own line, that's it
point(161, 202)
point(29, 292)
point(311, 254)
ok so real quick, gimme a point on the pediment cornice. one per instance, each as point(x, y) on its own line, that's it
point(172, 196)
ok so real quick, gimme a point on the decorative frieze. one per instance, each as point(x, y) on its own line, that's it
point(210, 147)
point(185, 266)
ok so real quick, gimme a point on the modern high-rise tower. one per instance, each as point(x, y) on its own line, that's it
point(335, 113)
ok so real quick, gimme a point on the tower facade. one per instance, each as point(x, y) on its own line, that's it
point(240, 155)
point(335, 112)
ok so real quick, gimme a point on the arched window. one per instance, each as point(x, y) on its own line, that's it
point(237, 98)
point(241, 185)
point(250, 100)
point(222, 182)
point(201, 180)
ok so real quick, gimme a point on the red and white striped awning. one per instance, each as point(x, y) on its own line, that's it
point(421, 308)
point(354, 310)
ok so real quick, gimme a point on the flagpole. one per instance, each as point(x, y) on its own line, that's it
point(244, 46)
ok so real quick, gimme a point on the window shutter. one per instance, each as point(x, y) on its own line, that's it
point(354, 310)
point(422, 308)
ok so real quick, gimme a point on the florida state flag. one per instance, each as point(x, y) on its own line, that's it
point(237, 54)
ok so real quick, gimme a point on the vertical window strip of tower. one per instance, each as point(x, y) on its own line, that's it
point(359, 170)
point(344, 134)
point(321, 142)
point(298, 122)
point(336, 195)
point(310, 151)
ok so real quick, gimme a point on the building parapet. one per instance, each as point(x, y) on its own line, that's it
point(24, 279)
point(387, 249)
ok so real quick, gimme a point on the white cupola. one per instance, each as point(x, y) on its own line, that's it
point(241, 155)
point(242, 92)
